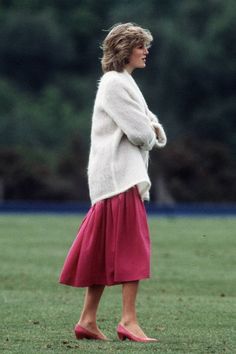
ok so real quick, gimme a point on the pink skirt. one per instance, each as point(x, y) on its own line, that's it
point(112, 245)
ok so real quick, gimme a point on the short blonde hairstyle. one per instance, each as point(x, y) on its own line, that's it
point(119, 43)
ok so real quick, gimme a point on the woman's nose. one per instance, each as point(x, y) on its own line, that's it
point(146, 50)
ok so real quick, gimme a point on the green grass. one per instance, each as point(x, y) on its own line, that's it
point(189, 303)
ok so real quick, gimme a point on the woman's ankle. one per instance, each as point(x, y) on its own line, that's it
point(128, 321)
point(87, 322)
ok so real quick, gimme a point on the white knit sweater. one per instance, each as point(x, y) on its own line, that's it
point(121, 136)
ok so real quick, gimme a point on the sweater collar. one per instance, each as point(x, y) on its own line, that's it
point(130, 77)
point(135, 86)
point(127, 73)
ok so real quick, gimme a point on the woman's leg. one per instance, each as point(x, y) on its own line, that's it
point(89, 313)
point(129, 316)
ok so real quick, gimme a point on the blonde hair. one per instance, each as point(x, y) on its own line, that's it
point(119, 43)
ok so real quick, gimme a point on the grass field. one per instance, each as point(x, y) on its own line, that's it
point(189, 303)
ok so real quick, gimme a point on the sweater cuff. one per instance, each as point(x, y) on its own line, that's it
point(161, 139)
point(150, 145)
point(153, 117)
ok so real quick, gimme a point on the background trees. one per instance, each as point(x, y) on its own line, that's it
point(49, 67)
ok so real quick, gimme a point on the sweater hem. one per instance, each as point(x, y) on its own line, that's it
point(121, 190)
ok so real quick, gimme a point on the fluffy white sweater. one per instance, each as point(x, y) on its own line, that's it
point(122, 134)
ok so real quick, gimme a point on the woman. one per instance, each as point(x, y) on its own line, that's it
point(113, 246)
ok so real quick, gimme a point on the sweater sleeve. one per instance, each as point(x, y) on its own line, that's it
point(161, 139)
point(126, 113)
point(153, 118)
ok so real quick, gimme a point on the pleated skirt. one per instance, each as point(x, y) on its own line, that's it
point(112, 245)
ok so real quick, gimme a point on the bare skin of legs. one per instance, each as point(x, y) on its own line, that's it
point(128, 319)
point(89, 313)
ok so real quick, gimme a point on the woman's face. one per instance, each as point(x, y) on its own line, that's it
point(137, 58)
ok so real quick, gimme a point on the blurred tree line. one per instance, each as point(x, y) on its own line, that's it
point(49, 67)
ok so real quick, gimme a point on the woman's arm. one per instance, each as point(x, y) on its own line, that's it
point(153, 118)
point(126, 113)
point(161, 139)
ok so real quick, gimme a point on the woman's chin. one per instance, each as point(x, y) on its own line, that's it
point(141, 66)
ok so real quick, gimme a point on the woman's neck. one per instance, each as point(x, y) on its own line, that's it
point(129, 69)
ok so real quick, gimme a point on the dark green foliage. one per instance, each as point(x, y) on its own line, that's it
point(49, 67)
point(19, 180)
point(195, 172)
point(33, 47)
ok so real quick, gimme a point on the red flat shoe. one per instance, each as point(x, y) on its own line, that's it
point(123, 333)
point(81, 333)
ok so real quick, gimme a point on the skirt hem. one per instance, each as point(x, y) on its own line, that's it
point(97, 282)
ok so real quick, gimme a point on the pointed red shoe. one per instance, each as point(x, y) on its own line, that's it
point(81, 333)
point(123, 333)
